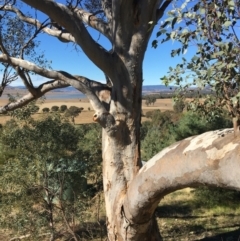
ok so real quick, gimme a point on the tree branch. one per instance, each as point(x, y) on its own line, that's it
point(162, 9)
point(98, 93)
point(107, 8)
point(74, 25)
point(64, 36)
point(211, 159)
point(39, 92)
point(94, 22)
point(81, 83)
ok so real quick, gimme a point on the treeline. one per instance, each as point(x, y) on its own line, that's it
point(190, 93)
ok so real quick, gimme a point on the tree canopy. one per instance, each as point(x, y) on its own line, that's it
point(212, 28)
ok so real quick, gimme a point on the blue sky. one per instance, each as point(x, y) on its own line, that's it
point(65, 57)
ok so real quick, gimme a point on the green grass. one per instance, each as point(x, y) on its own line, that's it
point(181, 217)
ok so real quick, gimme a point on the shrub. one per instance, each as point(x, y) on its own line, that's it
point(54, 108)
point(150, 99)
point(63, 108)
point(216, 196)
point(45, 110)
point(179, 106)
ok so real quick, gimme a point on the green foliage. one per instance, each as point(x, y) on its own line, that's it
point(156, 134)
point(179, 105)
point(63, 108)
point(167, 127)
point(212, 197)
point(150, 99)
point(45, 110)
point(44, 177)
point(212, 27)
point(191, 124)
point(54, 108)
point(24, 113)
point(90, 145)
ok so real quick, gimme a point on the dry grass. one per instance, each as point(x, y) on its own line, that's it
point(86, 115)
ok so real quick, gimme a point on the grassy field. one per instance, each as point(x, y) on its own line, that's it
point(87, 114)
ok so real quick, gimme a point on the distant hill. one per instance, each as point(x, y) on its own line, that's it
point(157, 88)
point(146, 88)
point(72, 93)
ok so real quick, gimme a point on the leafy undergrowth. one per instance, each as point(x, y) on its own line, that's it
point(181, 217)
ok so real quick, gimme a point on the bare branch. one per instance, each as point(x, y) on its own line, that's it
point(61, 35)
point(94, 22)
point(162, 9)
point(39, 92)
point(97, 93)
point(81, 83)
point(74, 25)
point(210, 159)
point(26, 81)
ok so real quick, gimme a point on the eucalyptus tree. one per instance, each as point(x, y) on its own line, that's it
point(212, 28)
point(132, 192)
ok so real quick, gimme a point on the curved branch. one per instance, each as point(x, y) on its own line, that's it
point(97, 93)
point(81, 83)
point(94, 22)
point(211, 159)
point(39, 92)
point(162, 9)
point(64, 36)
point(74, 25)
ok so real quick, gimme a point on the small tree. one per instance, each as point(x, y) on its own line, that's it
point(178, 105)
point(54, 108)
point(150, 99)
point(72, 112)
point(45, 110)
point(63, 108)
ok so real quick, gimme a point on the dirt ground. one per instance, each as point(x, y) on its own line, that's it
point(87, 114)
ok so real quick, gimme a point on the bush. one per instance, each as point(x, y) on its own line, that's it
point(150, 99)
point(45, 110)
point(63, 108)
point(72, 112)
point(43, 167)
point(179, 106)
point(54, 108)
point(216, 196)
